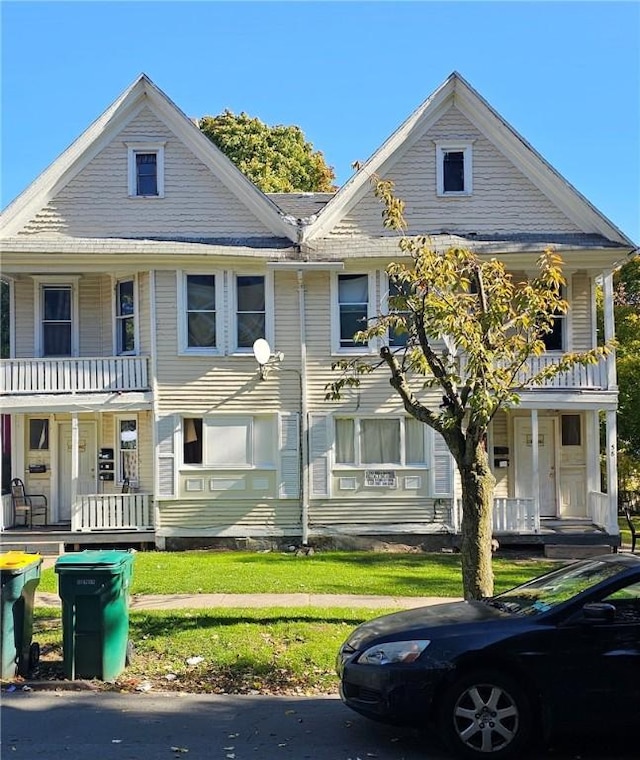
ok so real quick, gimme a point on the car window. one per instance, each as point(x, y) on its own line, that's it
point(548, 591)
point(627, 592)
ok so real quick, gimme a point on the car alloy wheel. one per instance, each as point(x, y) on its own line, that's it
point(485, 714)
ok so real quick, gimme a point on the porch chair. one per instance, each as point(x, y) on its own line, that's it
point(29, 505)
point(632, 528)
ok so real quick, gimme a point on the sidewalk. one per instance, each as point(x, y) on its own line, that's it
point(204, 601)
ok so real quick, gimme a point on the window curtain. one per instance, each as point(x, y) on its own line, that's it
point(414, 441)
point(345, 441)
point(380, 441)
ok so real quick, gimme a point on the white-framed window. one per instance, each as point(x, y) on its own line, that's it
point(229, 441)
point(557, 340)
point(352, 297)
point(397, 337)
point(39, 434)
point(454, 168)
point(377, 441)
point(252, 310)
point(199, 312)
point(125, 316)
point(56, 320)
point(145, 169)
point(127, 449)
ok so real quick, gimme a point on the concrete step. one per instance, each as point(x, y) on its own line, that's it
point(575, 551)
point(35, 546)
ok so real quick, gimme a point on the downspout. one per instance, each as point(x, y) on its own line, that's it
point(153, 377)
point(304, 432)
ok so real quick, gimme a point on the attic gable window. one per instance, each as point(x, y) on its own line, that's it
point(146, 170)
point(454, 169)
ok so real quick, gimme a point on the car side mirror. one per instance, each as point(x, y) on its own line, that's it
point(599, 612)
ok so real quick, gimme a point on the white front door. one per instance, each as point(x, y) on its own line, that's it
point(524, 486)
point(86, 465)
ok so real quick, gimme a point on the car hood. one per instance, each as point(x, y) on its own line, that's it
point(402, 624)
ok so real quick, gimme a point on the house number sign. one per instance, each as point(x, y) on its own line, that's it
point(380, 479)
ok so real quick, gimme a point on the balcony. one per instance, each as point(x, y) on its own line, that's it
point(105, 374)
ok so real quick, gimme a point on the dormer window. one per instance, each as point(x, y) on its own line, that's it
point(146, 170)
point(454, 168)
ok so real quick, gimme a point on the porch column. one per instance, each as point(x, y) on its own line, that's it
point(75, 469)
point(609, 329)
point(535, 467)
point(612, 472)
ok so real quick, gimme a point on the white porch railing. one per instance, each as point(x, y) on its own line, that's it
point(74, 375)
point(515, 516)
point(591, 376)
point(602, 513)
point(6, 515)
point(126, 511)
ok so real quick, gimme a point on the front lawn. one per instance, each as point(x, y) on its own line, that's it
point(375, 573)
point(241, 651)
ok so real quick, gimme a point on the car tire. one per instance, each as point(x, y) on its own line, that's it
point(485, 714)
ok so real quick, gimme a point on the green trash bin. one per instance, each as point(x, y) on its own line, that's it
point(20, 575)
point(94, 588)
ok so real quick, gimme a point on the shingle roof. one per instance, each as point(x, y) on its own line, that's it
point(300, 205)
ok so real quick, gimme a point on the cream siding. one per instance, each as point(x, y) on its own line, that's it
point(227, 518)
point(95, 203)
point(503, 199)
point(500, 441)
point(336, 515)
point(91, 326)
point(24, 318)
point(581, 314)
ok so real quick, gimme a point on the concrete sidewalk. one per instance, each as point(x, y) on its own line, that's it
point(205, 601)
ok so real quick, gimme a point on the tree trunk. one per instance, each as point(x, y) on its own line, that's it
point(477, 504)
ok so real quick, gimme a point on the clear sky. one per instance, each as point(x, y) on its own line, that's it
point(566, 75)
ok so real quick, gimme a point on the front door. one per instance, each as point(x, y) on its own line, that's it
point(86, 465)
point(524, 486)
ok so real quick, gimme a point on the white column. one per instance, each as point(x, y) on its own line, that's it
point(535, 466)
point(612, 472)
point(75, 468)
point(609, 329)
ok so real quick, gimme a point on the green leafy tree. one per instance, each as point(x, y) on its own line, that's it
point(276, 159)
point(491, 325)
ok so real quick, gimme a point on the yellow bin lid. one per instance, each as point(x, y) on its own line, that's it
point(17, 560)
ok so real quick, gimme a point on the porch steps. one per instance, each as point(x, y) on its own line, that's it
point(54, 542)
point(575, 551)
point(45, 548)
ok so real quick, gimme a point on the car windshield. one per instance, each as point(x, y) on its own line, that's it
point(546, 592)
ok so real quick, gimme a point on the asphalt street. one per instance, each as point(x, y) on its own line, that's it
point(69, 725)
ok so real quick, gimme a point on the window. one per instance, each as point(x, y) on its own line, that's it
point(125, 317)
point(366, 441)
point(56, 320)
point(250, 310)
point(397, 337)
point(146, 170)
point(38, 435)
point(127, 445)
point(571, 432)
point(353, 307)
point(200, 302)
point(454, 168)
point(228, 442)
point(556, 339)
point(192, 440)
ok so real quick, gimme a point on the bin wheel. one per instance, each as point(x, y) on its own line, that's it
point(130, 651)
point(34, 655)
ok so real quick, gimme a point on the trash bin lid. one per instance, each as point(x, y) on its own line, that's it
point(96, 559)
point(17, 562)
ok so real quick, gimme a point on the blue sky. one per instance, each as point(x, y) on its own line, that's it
point(566, 75)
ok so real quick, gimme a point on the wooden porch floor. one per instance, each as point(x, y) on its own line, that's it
point(55, 539)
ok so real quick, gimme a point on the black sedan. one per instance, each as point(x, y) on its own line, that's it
point(556, 655)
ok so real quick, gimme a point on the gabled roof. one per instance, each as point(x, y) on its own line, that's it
point(143, 92)
point(455, 90)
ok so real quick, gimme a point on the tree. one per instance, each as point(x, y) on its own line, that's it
point(276, 159)
point(491, 326)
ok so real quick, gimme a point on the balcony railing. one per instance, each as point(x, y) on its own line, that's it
point(589, 377)
point(126, 511)
point(74, 375)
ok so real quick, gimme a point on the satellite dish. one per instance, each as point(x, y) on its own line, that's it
point(262, 351)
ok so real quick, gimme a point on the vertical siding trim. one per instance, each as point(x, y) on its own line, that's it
point(166, 431)
point(442, 467)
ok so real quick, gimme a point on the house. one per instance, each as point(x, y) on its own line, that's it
point(143, 266)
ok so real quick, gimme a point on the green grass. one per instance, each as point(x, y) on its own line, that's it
point(244, 650)
point(380, 574)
